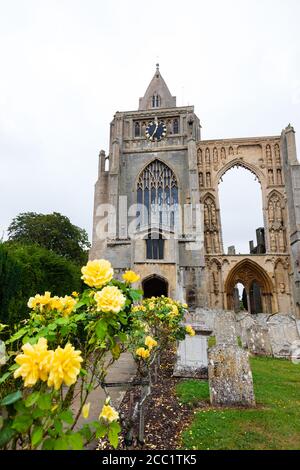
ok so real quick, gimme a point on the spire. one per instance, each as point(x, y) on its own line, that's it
point(157, 94)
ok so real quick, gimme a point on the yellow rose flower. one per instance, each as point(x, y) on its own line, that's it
point(143, 353)
point(97, 273)
point(56, 304)
point(68, 305)
point(86, 410)
point(109, 414)
point(40, 302)
point(174, 311)
point(150, 342)
point(34, 362)
point(75, 294)
point(190, 331)
point(151, 306)
point(131, 277)
point(185, 306)
point(65, 366)
point(110, 299)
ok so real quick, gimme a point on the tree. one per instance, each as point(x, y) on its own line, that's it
point(26, 270)
point(54, 232)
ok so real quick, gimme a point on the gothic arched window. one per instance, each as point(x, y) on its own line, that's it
point(155, 246)
point(156, 101)
point(137, 129)
point(175, 126)
point(157, 192)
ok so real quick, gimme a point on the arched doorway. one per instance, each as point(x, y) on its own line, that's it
point(155, 286)
point(258, 295)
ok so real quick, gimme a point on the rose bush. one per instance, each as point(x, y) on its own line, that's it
point(60, 355)
point(64, 350)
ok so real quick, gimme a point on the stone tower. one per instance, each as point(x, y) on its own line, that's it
point(157, 172)
point(157, 209)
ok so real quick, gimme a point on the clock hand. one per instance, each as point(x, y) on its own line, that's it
point(156, 124)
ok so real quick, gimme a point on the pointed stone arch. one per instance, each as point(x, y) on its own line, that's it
point(248, 272)
point(237, 162)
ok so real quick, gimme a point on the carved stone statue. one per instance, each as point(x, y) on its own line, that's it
point(207, 156)
point(269, 156)
point(208, 180)
point(206, 215)
point(278, 212)
point(213, 215)
point(271, 213)
point(199, 157)
point(273, 243)
point(279, 177)
point(223, 154)
point(277, 155)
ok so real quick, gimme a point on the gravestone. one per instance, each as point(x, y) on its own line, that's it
point(259, 342)
point(225, 328)
point(192, 358)
point(230, 376)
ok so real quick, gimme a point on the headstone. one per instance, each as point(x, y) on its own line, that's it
point(225, 328)
point(259, 342)
point(192, 358)
point(283, 333)
point(230, 376)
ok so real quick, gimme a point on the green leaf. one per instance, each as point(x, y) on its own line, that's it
point(6, 434)
point(4, 377)
point(100, 428)
point(61, 444)
point(17, 335)
point(14, 367)
point(75, 441)
point(22, 423)
point(44, 402)
point(67, 416)
point(32, 399)
point(48, 444)
point(86, 432)
point(62, 321)
point(116, 351)
point(135, 294)
point(101, 329)
point(37, 435)
point(11, 398)
point(37, 413)
point(58, 426)
point(113, 434)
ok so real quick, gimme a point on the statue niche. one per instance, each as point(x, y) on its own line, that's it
point(276, 224)
point(211, 226)
point(215, 283)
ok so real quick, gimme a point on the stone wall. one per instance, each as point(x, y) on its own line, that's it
point(266, 335)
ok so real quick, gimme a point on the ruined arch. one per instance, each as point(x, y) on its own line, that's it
point(248, 272)
point(237, 162)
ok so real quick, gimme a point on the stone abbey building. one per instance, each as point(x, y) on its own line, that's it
point(157, 211)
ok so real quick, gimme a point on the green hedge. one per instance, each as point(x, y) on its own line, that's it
point(26, 270)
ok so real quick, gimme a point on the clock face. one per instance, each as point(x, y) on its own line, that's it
point(156, 131)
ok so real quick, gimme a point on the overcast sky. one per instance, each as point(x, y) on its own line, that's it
point(66, 66)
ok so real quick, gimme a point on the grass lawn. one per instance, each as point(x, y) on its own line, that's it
point(274, 424)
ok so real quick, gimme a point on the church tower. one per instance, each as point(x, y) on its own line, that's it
point(147, 215)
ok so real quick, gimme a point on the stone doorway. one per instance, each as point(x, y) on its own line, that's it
point(155, 286)
point(257, 295)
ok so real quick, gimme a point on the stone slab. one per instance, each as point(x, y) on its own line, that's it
point(230, 377)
